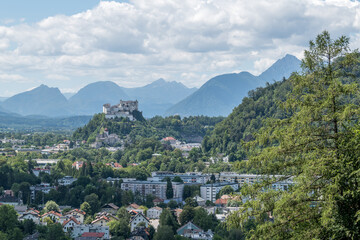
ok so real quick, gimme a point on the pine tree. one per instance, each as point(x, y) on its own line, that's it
point(309, 147)
point(169, 189)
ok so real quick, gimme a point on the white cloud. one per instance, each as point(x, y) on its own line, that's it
point(190, 41)
point(9, 78)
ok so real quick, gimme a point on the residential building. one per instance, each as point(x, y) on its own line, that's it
point(77, 214)
point(67, 180)
point(79, 230)
point(101, 221)
point(138, 218)
point(91, 236)
point(31, 215)
point(68, 225)
point(189, 177)
point(209, 191)
point(192, 231)
point(154, 212)
point(54, 216)
point(43, 187)
point(110, 208)
point(37, 171)
point(157, 189)
point(200, 201)
point(243, 179)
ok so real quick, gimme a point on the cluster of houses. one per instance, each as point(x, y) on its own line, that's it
point(73, 222)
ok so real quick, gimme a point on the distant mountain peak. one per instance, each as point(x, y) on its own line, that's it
point(281, 68)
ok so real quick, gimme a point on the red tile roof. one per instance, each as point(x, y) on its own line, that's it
point(168, 139)
point(93, 234)
point(52, 212)
point(71, 219)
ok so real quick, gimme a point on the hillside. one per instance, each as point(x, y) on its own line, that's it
point(186, 129)
point(249, 116)
point(246, 119)
point(42, 100)
point(221, 94)
point(90, 99)
point(158, 96)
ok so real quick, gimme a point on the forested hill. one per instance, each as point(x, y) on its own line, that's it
point(246, 119)
point(189, 129)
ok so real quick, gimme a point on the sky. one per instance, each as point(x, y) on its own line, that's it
point(69, 44)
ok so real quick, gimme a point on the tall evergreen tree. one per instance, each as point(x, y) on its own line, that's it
point(169, 189)
point(309, 147)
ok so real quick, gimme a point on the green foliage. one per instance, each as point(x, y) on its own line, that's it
point(168, 219)
point(183, 129)
point(120, 228)
point(55, 232)
point(191, 191)
point(85, 206)
point(169, 190)
point(94, 203)
point(204, 220)
point(311, 146)
point(122, 213)
point(224, 191)
point(8, 219)
point(164, 232)
point(51, 206)
point(186, 215)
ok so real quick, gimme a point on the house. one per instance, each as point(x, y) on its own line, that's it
point(91, 236)
point(77, 214)
point(31, 215)
point(79, 230)
point(68, 225)
point(222, 201)
point(54, 216)
point(192, 231)
point(157, 201)
point(135, 207)
point(154, 212)
point(140, 233)
point(101, 221)
point(200, 201)
point(110, 208)
point(108, 215)
point(138, 218)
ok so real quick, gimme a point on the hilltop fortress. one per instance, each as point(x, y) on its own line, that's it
point(123, 109)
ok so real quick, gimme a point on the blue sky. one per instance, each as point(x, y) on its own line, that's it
point(68, 44)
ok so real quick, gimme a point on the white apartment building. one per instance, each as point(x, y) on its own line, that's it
point(209, 191)
point(158, 189)
point(189, 177)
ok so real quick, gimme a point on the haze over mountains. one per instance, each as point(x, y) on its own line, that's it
point(219, 95)
point(216, 97)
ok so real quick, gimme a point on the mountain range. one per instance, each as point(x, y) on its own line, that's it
point(217, 97)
